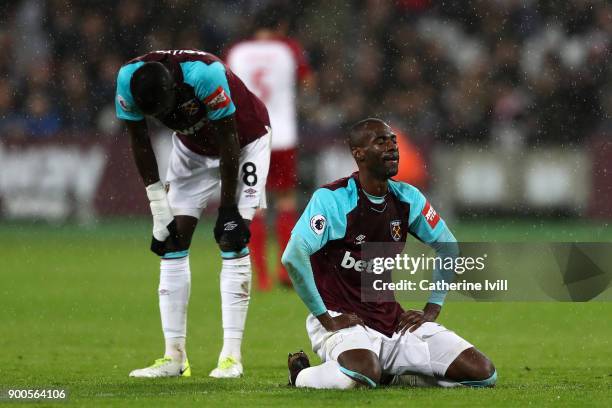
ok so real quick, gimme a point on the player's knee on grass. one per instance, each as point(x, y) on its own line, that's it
point(362, 366)
point(472, 368)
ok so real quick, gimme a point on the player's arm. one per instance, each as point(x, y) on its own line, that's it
point(212, 88)
point(164, 225)
point(231, 231)
point(229, 153)
point(142, 151)
point(445, 247)
point(319, 223)
point(427, 226)
point(144, 157)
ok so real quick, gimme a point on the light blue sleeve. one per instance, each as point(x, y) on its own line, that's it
point(323, 220)
point(296, 259)
point(125, 107)
point(426, 225)
point(210, 84)
point(446, 247)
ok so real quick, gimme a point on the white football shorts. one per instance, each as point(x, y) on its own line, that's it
point(429, 350)
point(192, 179)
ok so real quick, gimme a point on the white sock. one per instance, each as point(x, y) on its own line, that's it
point(325, 376)
point(175, 349)
point(235, 296)
point(174, 287)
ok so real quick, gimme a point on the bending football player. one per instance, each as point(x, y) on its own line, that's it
point(372, 343)
point(221, 139)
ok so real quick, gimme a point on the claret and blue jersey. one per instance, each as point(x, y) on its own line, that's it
point(206, 91)
point(327, 240)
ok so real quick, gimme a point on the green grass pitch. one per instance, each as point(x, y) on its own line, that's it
point(78, 310)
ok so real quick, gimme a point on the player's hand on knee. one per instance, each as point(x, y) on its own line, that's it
point(231, 231)
point(164, 225)
point(169, 244)
point(413, 319)
point(431, 312)
point(408, 319)
point(339, 322)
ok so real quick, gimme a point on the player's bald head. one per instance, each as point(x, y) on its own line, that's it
point(360, 132)
point(374, 148)
point(152, 87)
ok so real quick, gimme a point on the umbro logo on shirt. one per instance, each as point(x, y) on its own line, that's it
point(360, 239)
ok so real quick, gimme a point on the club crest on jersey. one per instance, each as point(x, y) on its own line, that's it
point(396, 229)
point(190, 107)
point(218, 99)
point(317, 223)
point(431, 216)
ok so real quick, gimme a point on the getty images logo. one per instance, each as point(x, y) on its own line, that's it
point(348, 262)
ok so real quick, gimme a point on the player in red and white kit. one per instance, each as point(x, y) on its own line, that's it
point(274, 66)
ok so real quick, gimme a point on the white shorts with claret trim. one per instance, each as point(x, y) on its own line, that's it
point(192, 179)
point(429, 350)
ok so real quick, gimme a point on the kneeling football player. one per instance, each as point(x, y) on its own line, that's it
point(372, 343)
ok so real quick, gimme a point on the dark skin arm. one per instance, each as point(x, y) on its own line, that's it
point(413, 319)
point(144, 156)
point(229, 153)
point(339, 322)
point(142, 151)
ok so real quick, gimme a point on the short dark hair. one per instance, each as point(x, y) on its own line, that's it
point(150, 85)
point(355, 133)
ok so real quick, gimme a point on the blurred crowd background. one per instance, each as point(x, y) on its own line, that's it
point(504, 74)
point(504, 71)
